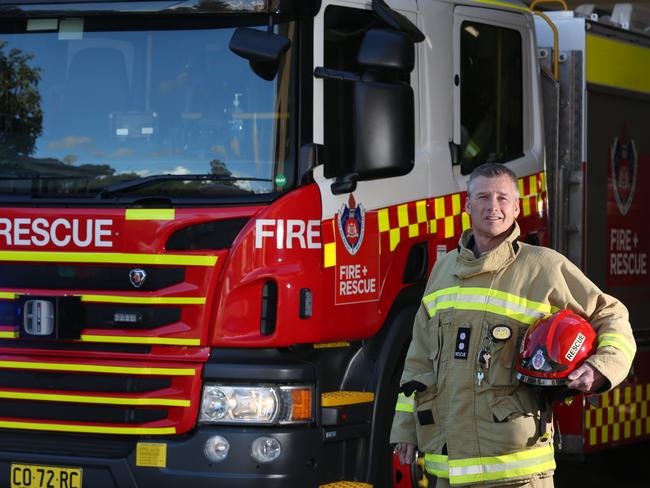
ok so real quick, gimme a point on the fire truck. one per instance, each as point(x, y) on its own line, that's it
point(217, 218)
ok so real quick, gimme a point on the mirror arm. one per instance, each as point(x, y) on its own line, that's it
point(345, 184)
point(335, 74)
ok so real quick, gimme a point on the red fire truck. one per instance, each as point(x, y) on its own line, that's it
point(596, 152)
point(217, 219)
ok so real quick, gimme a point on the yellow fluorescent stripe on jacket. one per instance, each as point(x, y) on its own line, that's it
point(437, 465)
point(495, 301)
point(618, 341)
point(494, 468)
point(404, 403)
point(489, 292)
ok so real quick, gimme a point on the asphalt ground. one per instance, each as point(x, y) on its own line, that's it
point(624, 467)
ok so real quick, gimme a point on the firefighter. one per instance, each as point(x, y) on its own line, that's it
point(460, 402)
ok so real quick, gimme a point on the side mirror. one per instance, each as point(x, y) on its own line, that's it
point(383, 111)
point(375, 134)
point(384, 128)
point(262, 49)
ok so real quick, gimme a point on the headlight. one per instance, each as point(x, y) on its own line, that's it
point(256, 404)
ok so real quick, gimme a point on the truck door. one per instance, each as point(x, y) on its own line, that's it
point(496, 91)
point(360, 232)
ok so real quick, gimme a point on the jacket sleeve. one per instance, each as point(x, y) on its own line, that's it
point(418, 367)
point(607, 315)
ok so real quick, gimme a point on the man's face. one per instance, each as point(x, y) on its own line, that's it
point(493, 205)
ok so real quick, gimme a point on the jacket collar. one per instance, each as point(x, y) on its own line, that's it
point(501, 256)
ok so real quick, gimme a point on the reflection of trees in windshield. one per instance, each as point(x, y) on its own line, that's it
point(78, 116)
point(21, 116)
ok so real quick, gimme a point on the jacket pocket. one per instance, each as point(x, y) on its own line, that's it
point(507, 404)
point(439, 327)
point(426, 420)
point(501, 372)
point(513, 424)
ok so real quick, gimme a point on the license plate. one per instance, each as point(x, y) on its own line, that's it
point(36, 476)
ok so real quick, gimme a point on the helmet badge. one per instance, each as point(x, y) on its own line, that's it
point(538, 360)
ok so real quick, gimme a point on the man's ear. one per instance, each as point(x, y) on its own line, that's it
point(467, 205)
point(517, 208)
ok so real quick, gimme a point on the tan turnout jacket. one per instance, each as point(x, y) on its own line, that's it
point(486, 430)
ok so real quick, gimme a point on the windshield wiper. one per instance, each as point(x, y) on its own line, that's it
point(125, 186)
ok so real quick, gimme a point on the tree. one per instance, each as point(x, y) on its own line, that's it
point(218, 167)
point(21, 116)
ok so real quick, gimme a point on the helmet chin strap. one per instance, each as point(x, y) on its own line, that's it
point(546, 396)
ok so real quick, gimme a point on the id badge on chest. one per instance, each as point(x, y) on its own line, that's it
point(462, 343)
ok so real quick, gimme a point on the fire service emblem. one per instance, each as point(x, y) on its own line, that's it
point(351, 223)
point(137, 277)
point(624, 171)
point(538, 360)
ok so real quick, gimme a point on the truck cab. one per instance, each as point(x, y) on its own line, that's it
point(217, 220)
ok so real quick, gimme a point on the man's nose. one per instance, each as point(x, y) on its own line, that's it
point(493, 201)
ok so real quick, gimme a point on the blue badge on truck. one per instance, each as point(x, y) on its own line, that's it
point(462, 343)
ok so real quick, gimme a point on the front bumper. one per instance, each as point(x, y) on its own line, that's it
point(185, 464)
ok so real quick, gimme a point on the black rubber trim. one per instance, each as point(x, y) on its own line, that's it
point(58, 276)
point(66, 444)
point(218, 234)
point(246, 365)
point(38, 380)
point(80, 412)
point(74, 346)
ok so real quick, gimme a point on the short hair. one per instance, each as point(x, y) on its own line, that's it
point(492, 170)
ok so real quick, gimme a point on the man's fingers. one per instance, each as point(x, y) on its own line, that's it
point(574, 375)
point(410, 454)
point(405, 452)
point(586, 378)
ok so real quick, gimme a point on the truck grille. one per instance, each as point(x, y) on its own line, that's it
point(66, 444)
point(105, 397)
point(83, 277)
point(122, 343)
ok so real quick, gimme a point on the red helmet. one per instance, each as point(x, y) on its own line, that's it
point(553, 347)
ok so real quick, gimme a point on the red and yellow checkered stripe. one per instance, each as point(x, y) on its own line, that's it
point(532, 192)
point(443, 216)
point(622, 415)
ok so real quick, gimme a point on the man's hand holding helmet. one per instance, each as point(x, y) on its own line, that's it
point(586, 378)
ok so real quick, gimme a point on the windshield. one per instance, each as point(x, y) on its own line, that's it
point(86, 103)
